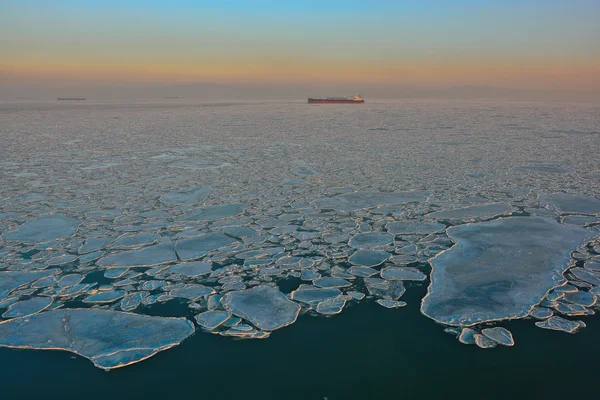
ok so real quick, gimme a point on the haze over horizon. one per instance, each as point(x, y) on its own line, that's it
point(528, 49)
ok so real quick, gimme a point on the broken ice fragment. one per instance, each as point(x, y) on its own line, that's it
point(61, 260)
point(114, 273)
point(414, 228)
point(467, 336)
point(499, 335)
point(70, 280)
point(306, 171)
point(338, 272)
point(313, 295)
point(585, 276)
point(10, 280)
point(196, 247)
point(192, 292)
point(27, 307)
point(390, 303)
point(90, 257)
point(358, 200)
point(266, 308)
point(568, 203)
point(131, 241)
point(593, 264)
point(363, 272)
point(284, 229)
point(581, 298)
point(213, 213)
point(239, 232)
point(43, 229)
point(212, 319)
point(484, 342)
point(110, 339)
point(270, 251)
point(371, 239)
point(471, 213)
point(131, 301)
point(570, 309)
point(186, 197)
point(214, 302)
point(566, 289)
point(356, 295)
point(153, 285)
point(402, 274)
point(309, 275)
point(541, 313)
point(368, 258)
point(148, 256)
point(390, 290)
point(94, 244)
point(559, 324)
point(554, 295)
point(75, 289)
point(191, 269)
point(330, 282)
point(104, 297)
point(331, 306)
point(334, 238)
point(233, 286)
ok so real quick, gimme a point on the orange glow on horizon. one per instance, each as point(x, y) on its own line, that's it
point(573, 75)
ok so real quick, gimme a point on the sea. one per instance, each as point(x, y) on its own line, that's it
point(284, 250)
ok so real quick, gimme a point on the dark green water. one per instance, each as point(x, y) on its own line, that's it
point(367, 352)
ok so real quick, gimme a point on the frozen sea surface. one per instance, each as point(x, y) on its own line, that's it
point(246, 218)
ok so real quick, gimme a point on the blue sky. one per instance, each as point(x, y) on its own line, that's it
point(484, 42)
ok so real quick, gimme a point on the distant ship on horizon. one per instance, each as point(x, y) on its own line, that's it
point(358, 99)
point(69, 98)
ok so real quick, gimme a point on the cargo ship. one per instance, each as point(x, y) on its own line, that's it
point(338, 100)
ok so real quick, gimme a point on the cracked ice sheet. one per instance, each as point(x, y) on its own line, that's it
point(499, 269)
point(110, 339)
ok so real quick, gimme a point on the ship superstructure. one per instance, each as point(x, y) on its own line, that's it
point(338, 100)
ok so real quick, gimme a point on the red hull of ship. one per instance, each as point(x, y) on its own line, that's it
point(336, 102)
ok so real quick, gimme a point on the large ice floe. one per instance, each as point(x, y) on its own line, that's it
point(110, 339)
point(499, 269)
point(248, 218)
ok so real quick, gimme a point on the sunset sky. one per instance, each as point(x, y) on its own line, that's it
point(526, 44)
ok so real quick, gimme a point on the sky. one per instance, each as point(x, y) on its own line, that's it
point(527, 45)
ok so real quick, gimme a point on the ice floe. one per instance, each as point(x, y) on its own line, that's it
point(148, 256)
point(196, 247)
point(27, 307)
point(368, 258)
point(569, 203)
point(110, 339)
point(499, 269)
point(499, 335)
point(44, 229)
point(402, 274)
point(264, 307)
point(483, 211)
point(186, 197)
